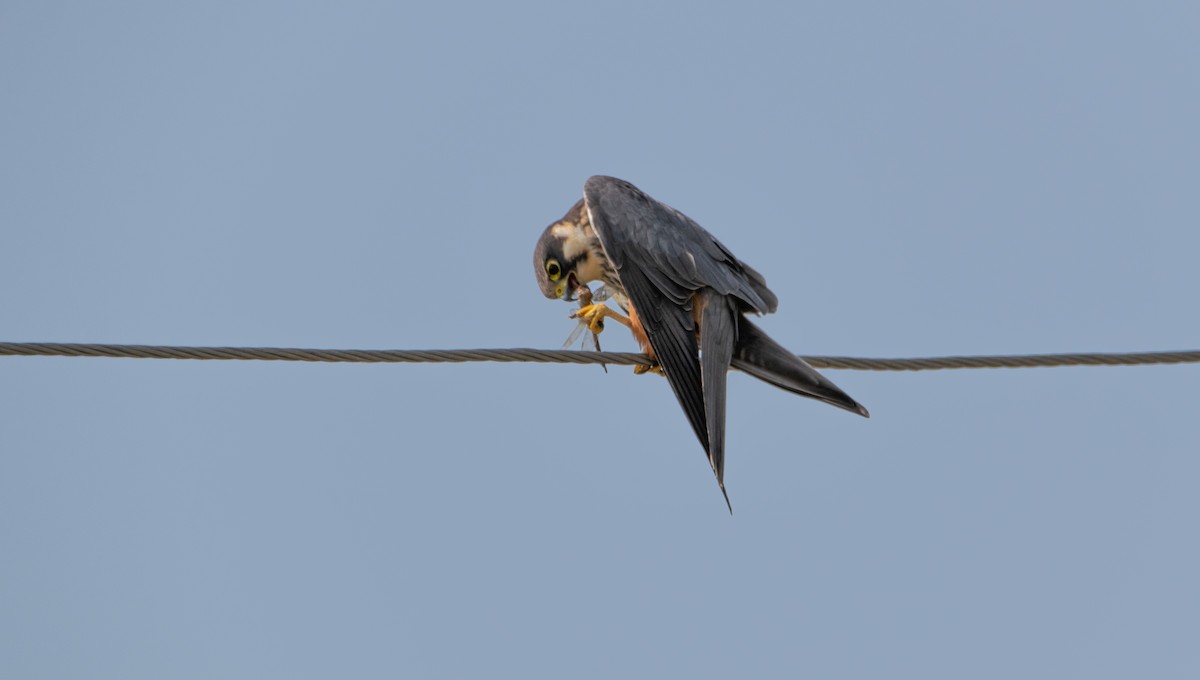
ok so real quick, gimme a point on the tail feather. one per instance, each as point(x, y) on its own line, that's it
point(718, 337)
point(760, 356)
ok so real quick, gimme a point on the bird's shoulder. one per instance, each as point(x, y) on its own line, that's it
point(672, 249)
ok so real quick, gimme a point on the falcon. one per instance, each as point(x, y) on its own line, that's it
point(685, 298)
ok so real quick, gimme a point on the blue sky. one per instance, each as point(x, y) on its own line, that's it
point(915, 179)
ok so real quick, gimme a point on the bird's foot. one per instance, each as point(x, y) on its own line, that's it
point(649, 368)
point(593, 315)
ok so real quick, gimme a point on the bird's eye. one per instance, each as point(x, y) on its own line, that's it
point(553, 270)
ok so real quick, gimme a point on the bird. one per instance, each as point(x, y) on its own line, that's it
point(685, 298)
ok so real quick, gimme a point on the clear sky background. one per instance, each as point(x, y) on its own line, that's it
point(911, 178)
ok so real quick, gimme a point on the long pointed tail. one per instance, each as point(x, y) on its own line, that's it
point(718, 319)
point(760, 356)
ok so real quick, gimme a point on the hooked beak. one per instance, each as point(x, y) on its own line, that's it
point(571, 284)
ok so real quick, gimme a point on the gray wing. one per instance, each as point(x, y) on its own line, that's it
point(663, 259)
point(678, 256)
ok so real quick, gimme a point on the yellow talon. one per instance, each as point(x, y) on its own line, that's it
point(593, 315)
point(651, 368)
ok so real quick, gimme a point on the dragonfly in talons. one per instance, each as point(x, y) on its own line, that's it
point(586, 298)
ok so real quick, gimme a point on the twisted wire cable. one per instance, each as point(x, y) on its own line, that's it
point(525, 355)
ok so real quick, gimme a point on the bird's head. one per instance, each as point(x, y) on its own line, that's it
point(562, 259)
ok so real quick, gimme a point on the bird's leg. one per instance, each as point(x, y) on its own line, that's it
point(593, 315)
